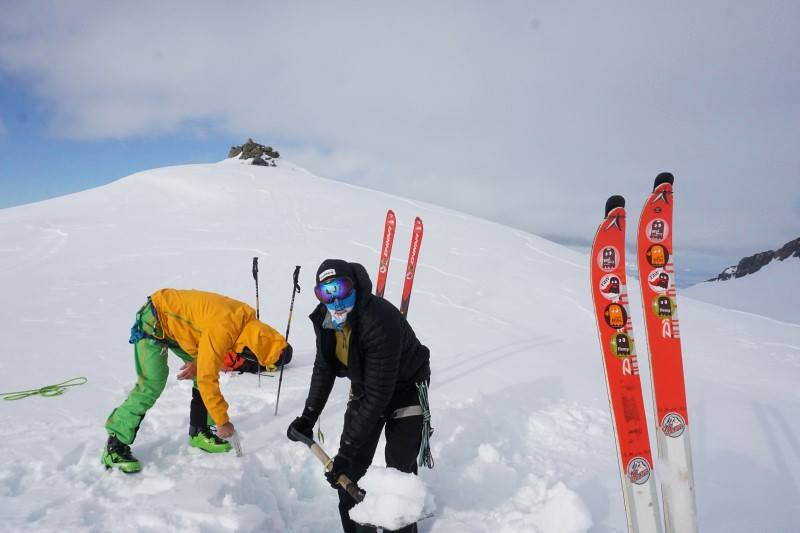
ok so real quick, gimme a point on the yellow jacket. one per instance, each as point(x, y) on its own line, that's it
point(207, 326)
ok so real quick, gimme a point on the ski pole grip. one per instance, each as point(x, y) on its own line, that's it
point(296, 277)
point(255, 268)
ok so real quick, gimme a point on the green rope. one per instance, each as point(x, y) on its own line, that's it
point(425, 455)
point(48, 391)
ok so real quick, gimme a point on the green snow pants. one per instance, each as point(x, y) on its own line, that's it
point(150, 351)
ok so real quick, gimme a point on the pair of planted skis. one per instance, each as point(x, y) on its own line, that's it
point(610, 295)
point(386, 255)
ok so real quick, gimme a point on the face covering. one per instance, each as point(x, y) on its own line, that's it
point(339, 309)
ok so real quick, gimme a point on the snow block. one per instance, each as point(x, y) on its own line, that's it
point(394, 499)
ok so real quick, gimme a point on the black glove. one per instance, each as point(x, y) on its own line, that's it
point(302, 425)
point(286, 356)
point(342, 464)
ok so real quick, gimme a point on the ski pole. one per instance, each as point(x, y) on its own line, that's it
point(295, 290)
point(258, 310)
point(351, 488)
point(255, 277)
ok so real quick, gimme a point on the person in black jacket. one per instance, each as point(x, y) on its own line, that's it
point(366, 339)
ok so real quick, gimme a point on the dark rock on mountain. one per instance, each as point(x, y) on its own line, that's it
point(790, 249)
point(258, 154)
point(754, 263)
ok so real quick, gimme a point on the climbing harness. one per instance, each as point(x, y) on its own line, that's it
point(137, 330)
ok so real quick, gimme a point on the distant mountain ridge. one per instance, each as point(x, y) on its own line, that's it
point(754, 263)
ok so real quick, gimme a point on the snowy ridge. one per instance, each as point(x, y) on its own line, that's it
point(772, 291)
point(522, 440)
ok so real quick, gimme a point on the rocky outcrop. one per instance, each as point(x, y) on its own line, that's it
point(257, 154)
point(754, 263)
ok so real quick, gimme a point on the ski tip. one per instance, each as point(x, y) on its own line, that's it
point(614, 202)
point(664, 177)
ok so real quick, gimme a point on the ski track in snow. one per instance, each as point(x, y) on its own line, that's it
point(529, 244)
point(467, 253)
point(50, 242)
point(421, 264)
point(425, 266)
point(522, 438)
point(447, 301)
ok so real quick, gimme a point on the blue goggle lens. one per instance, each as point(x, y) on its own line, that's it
point(335, 289)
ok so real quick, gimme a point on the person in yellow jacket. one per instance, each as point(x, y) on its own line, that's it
point(201, 328)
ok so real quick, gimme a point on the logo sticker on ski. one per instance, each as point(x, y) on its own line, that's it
point(657, 255)
point(663, 306)
point(638, 471)
point(658, 280)
point(657, 230)
point(621, 345)
point(607, 259)
point(616, 316)
point(610, 287)
point(673, 425)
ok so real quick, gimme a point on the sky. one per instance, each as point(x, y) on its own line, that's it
point(529, 113)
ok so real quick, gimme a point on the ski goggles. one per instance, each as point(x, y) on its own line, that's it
point(335, 289)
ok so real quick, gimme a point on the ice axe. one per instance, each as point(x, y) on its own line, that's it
point(350, 487)
point(237, 444)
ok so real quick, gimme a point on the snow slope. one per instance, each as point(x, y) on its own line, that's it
point(523, 439)
point(773, 291)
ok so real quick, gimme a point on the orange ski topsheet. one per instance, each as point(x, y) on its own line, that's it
point(657, 280)
point(610, 297)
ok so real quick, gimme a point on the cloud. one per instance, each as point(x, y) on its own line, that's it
point(524, 113)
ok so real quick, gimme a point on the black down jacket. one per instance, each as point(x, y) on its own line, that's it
point(384, 358)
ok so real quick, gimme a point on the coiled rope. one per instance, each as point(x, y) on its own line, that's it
point(48, 391)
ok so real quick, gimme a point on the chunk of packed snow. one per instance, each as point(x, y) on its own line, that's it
point(394, 499)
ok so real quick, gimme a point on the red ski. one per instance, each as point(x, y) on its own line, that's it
point(386, 251)
point(657, 280)
point(610, 296)
point(411, 266)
